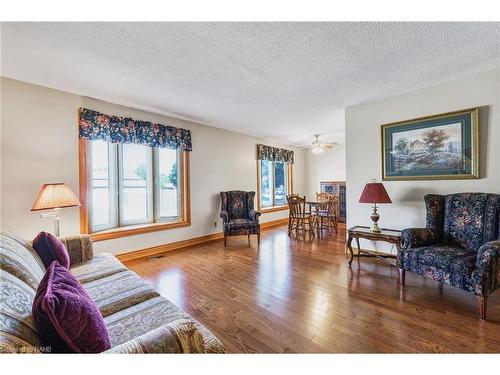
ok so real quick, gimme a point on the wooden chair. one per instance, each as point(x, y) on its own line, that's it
point(299, 219)
point(323, 196)
point(325, 217)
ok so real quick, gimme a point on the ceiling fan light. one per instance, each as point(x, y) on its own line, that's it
point(317, 150)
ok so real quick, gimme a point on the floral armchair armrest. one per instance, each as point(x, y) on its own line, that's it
point(254, 215)
point(416, 237)
point(79, 246)
point(224, 216)
point(178, 336)
point(487, 273)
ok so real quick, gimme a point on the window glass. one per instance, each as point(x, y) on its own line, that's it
point(280, 183)
point(169, 181)
point(100, 184)
point(266, 183)
point(135, 185)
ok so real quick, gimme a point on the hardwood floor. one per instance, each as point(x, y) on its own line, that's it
point(294, 295)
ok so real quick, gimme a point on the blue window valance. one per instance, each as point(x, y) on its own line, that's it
point(274, 154)
point(95, 125)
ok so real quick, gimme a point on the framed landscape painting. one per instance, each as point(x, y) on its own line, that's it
point(439, 147)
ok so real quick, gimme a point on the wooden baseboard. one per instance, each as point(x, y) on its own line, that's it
point(158, 250)
point(274, 223)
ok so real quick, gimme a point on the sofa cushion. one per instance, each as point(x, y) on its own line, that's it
point(17, 330)
point(19, 259)
point(65, 315)
point(241, 226)
point(79, 247)
point(119, 291)
point(134, 321)
point(177, 336)
point(447, 258)
point(139, 319)
point(49, 248)
point(240, 222)
point(99, 266)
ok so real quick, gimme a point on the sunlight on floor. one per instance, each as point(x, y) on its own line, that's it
point(171, 285)
point(274, 269)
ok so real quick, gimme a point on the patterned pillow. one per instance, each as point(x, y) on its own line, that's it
point(49, 248)
point(66, 317)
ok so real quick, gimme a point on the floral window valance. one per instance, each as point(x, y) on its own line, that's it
point(274, 154)
point(95, 125)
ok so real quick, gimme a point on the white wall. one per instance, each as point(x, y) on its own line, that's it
point(327, 166)
point(363, 153)
point(39, 144)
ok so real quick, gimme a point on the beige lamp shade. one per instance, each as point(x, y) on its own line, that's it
point(57, 195)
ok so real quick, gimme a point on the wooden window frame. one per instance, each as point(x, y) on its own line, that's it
point(290, 190)
point(130, 230)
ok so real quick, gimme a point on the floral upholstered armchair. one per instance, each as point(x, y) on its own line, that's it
point(238, 214)
point(460, 245)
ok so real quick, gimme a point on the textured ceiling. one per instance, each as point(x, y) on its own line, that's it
point(284, 81)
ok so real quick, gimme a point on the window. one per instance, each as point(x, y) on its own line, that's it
point(131, 188)
point(135, 184)
point(103, 186)
point(274, 183)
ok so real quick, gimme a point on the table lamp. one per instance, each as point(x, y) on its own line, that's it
point(374, 192)
point(55, 196)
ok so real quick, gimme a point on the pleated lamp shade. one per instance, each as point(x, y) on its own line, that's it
point(374, 192)
point(57, 195)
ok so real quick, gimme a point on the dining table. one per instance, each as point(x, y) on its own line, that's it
point(314, 204)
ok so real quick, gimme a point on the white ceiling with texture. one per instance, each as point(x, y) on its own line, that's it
point(284, 81)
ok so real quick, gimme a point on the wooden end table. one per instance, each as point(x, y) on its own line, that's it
point(386, 235)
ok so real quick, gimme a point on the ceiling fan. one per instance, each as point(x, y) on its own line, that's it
point(317, 146)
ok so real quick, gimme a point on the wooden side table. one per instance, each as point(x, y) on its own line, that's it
point(386, 235)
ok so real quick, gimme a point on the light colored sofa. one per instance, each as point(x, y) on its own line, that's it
point(138, 319)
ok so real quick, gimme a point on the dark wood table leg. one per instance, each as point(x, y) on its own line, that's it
point(392, 239)
point(349, 242)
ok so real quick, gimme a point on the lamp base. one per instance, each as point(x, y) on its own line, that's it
point(57, 220)
point(375, 216)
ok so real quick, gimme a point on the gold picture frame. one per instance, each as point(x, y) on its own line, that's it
point(421, 152)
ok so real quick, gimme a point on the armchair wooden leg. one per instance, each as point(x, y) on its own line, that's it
point(249, 239)
point(402, 274)
point(440, 286)
point(225, 241)
point(258, 238)
point(481, 304)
